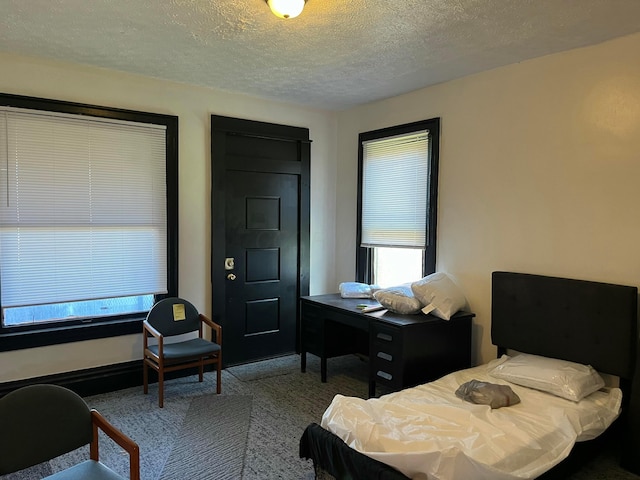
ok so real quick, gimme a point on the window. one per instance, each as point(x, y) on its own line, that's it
point(397, 203)
point(88, 217)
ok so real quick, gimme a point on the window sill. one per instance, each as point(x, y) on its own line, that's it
point(69, 334)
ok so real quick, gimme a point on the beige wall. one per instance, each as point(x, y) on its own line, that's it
point(193, 105)
point(539, 171)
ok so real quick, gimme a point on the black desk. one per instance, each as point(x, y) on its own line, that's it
point(403, 350)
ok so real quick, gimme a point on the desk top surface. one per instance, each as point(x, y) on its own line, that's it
point(350, 305)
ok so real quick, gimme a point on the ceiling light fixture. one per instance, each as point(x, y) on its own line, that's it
point(286, 8)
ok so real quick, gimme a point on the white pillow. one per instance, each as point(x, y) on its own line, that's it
point(398, 299)
point(439, 295)
point(562, 378)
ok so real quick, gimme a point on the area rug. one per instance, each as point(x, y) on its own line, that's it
point(212, 440)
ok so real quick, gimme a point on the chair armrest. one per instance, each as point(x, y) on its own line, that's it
point(214, 327)
point(146, 327)
point(120, 438)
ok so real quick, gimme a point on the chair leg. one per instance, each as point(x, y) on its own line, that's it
point(219, 379)
point(161, 388)
point(201, 370)
point(145, 377)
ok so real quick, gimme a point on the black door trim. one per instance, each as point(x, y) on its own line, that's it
point(267, 137)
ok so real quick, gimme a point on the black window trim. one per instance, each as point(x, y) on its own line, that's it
point(17, 338)
point(364, 258)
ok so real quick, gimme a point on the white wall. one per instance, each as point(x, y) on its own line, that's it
point(539, 171)
point(193, 105)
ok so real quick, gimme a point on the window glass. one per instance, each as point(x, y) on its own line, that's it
point(395, 266)
point(105, 307)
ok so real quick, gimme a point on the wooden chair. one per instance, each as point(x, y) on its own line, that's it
point(41, 422)
point(168, 320)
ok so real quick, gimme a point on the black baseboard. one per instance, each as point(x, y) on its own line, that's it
point(94, 381)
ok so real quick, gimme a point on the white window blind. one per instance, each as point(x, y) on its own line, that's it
point(82, 210)
point(395, 185)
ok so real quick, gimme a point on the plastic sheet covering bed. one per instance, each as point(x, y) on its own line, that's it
point(427, 432)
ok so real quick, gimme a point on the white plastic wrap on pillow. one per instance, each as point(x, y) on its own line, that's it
point(355, 290)
point(426, 432)
point(439, 295)
point(565, 379)
point(398, 299)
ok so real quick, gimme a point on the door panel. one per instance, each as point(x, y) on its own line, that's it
point(261, 236)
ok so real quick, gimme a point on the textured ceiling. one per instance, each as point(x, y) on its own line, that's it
point(335, 55)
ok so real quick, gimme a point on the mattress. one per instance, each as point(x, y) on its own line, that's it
point(426, 432)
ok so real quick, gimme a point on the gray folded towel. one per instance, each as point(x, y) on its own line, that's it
point(485, 393)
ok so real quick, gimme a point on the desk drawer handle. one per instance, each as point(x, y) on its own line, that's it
point(384, 336)
point(385, 375)
point(385, 356)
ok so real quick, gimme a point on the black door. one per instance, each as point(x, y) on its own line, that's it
point(260, 235)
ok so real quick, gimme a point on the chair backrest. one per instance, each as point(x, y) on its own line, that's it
point(41, 422)
point(174, 316)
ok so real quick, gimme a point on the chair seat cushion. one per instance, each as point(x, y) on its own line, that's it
point(88, 469)
point(189, 348)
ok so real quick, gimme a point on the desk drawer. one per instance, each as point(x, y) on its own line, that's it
point(312, 329)
point(391, 377)
point(354, 320)
point(327, 332)
point(389, 371)
point(386, 354)
point(312, 319)
point(312, 326)
point(386, 339)
point(311, 312)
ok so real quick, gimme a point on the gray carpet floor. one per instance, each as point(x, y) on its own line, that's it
point(266, 406)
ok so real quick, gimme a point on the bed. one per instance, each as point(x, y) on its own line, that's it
point(589, 323)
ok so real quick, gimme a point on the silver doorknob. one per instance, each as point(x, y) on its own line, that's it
point(231, 276)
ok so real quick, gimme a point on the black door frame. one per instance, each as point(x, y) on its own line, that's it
point(221, 127)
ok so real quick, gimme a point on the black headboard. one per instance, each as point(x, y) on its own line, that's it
point(587, 322)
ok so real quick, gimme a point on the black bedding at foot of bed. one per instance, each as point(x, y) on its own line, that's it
point(332, 455)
